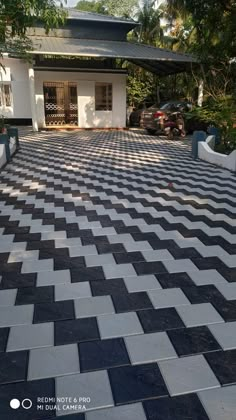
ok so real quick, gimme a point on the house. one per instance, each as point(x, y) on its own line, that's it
point(74, 78)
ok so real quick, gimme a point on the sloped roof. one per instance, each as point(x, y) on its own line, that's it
point(156, 60)
point(80, 15)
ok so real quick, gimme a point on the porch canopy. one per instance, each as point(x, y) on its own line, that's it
point(156, 60)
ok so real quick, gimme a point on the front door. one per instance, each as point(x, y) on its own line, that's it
point(60, 103)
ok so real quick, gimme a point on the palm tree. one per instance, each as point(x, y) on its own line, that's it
point(149, 17)
point(177, 8)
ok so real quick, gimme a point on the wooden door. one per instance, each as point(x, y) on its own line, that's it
point(60, 103)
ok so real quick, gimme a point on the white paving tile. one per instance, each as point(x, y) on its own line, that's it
point(112, 271)
point(94, 386)
point(147, 348)
point(19, 256)
point(228, 290)
point(50, 278)
point(93, 306)
point(141, 283)
point(119, 325)
point(220, 403)
point(37, 266)
point(8, 297)
point(23, 337)
point(187, 374)
point(225, 334)
point(202, 277)
point(199, 314)
point(168, 298)
point(72, 291)
point(16, 315)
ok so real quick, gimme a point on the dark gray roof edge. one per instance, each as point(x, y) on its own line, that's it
point(194, 59)
point(170, 55)
point(76, 14)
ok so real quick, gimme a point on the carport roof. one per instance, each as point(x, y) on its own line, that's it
point(156, 60)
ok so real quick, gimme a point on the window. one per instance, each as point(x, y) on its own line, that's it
point(5, 95)
point(103, 97)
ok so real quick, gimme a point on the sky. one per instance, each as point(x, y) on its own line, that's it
point(71, 3)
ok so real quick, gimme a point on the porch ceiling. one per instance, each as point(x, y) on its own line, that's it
point(156, 60)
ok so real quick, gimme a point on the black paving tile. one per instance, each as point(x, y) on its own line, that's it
point(89, 239)
point(11, 267)
point(149, 268)
point(223, 364)
point(13, 366)
point(66, 263)
point(188, 341)
point(59, 253)
point(46, 312)
point(137, 383)
point(4, 257)
point(44, 388)
point(86, 274)
point(154, 320)
point(28, 295)
point(184, 407)
point(17, 280)
point(228, 273)
point(4, 332)
point(131, 302)
point(107, 248)
point(30, 237)
point(171, 280)
point(103, 288)
point(208, 263)
point(34, 245)
point(75, 331)
point(227, 309)
point(103, 354)
point(203, 294)
point(183, 253)
point(128, 257)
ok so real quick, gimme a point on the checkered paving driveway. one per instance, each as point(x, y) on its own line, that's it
point(118, 280)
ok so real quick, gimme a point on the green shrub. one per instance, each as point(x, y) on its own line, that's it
point(220, 114)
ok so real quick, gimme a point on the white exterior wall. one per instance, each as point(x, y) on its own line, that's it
point(16, 72)
point(87, 116)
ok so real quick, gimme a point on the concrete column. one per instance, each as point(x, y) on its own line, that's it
point(200, 93)
point(32, 99)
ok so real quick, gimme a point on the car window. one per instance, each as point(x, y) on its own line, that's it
point(166, 106)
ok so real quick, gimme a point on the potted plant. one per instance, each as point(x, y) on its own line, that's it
point(3, 126)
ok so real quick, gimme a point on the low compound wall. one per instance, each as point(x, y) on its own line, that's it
point(206, 152)
point(8, 148)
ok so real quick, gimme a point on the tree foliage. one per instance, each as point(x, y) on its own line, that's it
point(17, 16)
point(214, 22)
point(122, 8)
point(149, 18)
point(92, 6)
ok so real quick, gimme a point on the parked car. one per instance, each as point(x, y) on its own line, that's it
point(150, 117)
point(135, 116)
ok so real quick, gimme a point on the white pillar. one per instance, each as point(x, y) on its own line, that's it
point(200, 93)
point(32, 99)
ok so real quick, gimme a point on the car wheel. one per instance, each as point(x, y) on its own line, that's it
point(150, 131)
